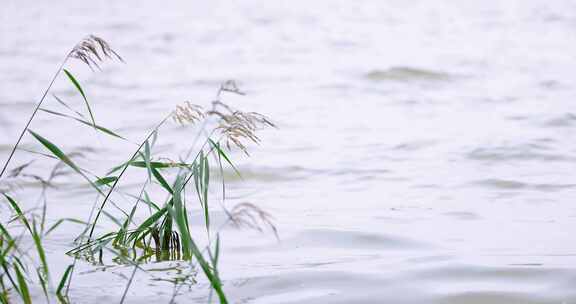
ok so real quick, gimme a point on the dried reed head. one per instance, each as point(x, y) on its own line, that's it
point(19, 175)
point(237, 127)
point(188, 113)
point(234, 126)
point(13, 179)
point(92, 50)
point(18, 170)
point(22, 174)
point(248, 215)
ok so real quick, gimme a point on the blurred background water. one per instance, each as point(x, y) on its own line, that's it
point(425, 150)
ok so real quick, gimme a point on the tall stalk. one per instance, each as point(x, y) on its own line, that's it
point(89, 50)
point(34, 114)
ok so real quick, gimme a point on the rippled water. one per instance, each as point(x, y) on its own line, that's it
point(425, 153)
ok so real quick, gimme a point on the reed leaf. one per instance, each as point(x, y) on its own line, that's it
point(100, 128)
point(81, 91)
point(177, 213)
point(62, 220)
point(23, 286)
point(64, 279)
point(147, 160)
point(161, 180)
point(105, 180)
point(216, 145)
point(55, 150)
point(18, 211)
point(40, 250)
point(148, 222)
point(43, 284)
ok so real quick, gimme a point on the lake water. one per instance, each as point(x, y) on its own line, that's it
point(425, 150)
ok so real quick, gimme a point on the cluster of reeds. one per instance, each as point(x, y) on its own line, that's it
point(164, 234)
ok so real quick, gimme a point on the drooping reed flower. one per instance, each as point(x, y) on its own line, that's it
point(188, 113)
point(237, 127)
point(92, 50)
point(234, 126)
point(248, 215)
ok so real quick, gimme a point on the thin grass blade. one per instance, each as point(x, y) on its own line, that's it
point(55, 150)
point(79, 88)
point(64, 279)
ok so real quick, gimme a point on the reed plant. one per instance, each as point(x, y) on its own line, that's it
point(163, 233)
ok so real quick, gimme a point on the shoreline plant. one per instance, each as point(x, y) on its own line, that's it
point(145, 229)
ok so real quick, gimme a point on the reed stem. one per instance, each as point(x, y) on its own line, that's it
point(33, 115)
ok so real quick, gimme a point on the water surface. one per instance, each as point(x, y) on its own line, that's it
point(425, 151)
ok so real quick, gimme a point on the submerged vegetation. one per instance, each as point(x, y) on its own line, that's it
point(148, 229)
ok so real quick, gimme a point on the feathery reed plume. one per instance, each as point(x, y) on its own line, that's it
point(248, 215)
point(18, 170)
point(92, 50)
point(14, 178)
point(237, 127)
point(86, 50)
point(187, 113)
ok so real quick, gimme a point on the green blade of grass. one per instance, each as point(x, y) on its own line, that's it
point(148, 222)
point(157, 165)
point(216, 255)
point(40, 250)
point(223, 154)
point(100, 128)
point(5, 233)
point(4, 297)
point(147, 160)
point(206, 182)
point(153, 164)
point(64, 158)
point(207, 269)
point(24, 291)
point(5, 266)
point(105, 180)
point(60, 221)
point(18, 211)
point(60, 101)
point(43, 283)
point(79, 88)
point(123, 170)
point(64, 279)
point(197, 173)
point(177, 212)
point(188, 244)
point(161, 180)
point(55, 150)
point(146, 199)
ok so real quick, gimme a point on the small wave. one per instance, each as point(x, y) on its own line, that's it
point(325, 238)
point(492, 297)
point(263, 174)
point(359, 172)
point(528, 152)
point(414, 145)
point(295, 296)
point(463, 215)
point(504, 184)
point(565, 120)
point(408, 74)
point(312, 287)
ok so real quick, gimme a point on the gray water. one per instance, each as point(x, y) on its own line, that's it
point(425, 150)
